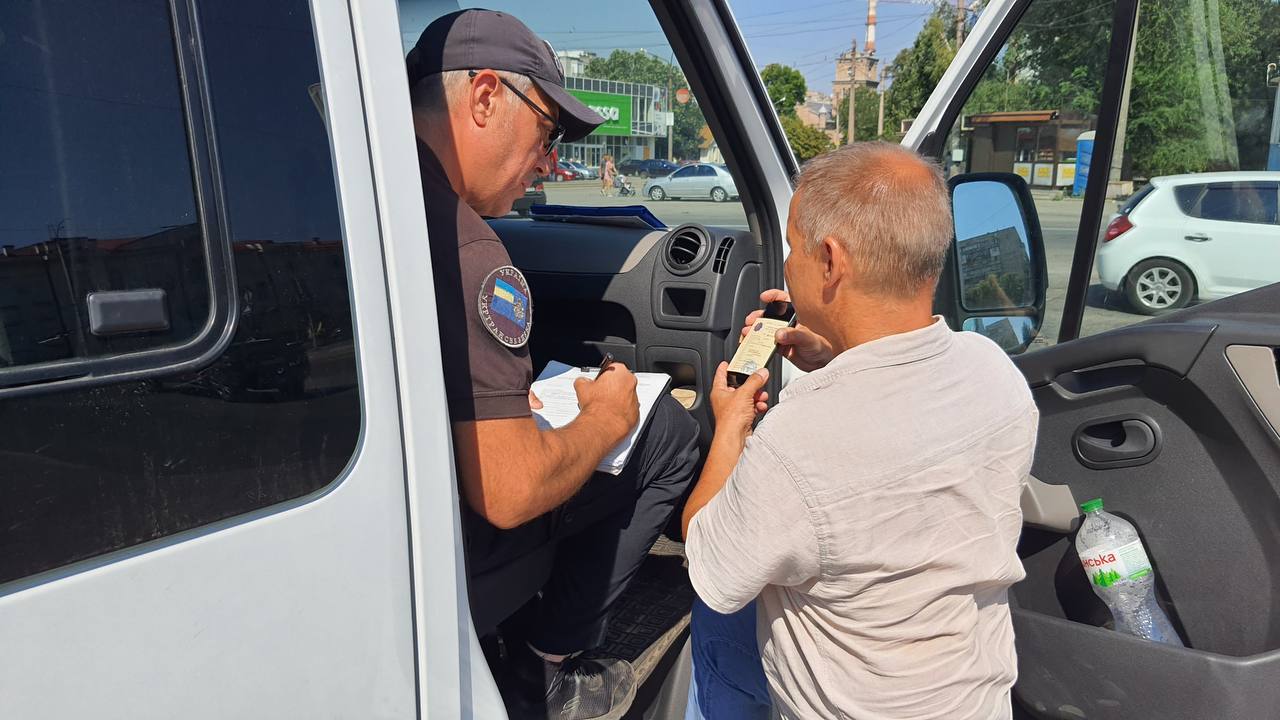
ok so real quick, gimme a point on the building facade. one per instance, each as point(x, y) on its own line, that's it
point(574, 62)
point(635, 117)
point(854, 69)
point(1039, 145)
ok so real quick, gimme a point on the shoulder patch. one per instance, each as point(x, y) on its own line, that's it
point(506, 307)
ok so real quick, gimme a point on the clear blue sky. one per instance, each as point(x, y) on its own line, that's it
point(807, 34)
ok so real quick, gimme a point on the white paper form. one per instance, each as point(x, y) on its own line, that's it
point(554, 387)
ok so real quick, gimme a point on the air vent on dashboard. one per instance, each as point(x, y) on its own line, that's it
point(686, 250)
point(722, 255)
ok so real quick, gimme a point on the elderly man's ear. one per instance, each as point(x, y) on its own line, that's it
point(835, 262)
point(484, 89)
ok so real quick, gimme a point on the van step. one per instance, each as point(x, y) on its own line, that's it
point(646, 623)
point(654, 611)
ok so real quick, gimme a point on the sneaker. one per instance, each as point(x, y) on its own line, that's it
point(580, 688)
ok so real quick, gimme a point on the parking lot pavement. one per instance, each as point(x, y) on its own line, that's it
point(1059, 220)
point(672, 212)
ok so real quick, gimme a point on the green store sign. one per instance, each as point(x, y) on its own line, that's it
point(615, 109)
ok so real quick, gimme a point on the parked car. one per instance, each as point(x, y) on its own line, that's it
point(1201, 237)
point(646, 168)
point(584, 172)
point(564, 171)
point(700, 180)
point(535, 194)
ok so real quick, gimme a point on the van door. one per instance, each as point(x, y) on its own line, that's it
point(667, 296)
point(202, 500)
point(1160, 85)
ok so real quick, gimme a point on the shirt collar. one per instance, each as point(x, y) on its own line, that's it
point(432, 170)
point(899, 349)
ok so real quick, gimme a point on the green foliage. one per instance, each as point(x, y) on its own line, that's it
point(1198, 100)
point(917, 69)
point(806, 142)
point(786, 87)
point(636, 67)
point(1009, 290)
point(866, 117)
point(641, 67)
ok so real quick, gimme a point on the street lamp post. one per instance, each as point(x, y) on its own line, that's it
point(669, 118)
point(669, 114)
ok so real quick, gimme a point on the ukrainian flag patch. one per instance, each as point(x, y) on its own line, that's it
point(506, 307)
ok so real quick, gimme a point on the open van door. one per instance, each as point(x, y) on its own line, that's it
point(1173, 420)
point(660, 284)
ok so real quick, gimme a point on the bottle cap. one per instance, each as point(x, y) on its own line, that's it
point(1091, 505)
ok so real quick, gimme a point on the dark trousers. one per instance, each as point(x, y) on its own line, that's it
point(602, 534)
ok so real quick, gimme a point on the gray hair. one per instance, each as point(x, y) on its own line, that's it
point(433, 93)
point(887, 205)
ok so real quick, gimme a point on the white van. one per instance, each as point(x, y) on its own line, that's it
point(227, 486)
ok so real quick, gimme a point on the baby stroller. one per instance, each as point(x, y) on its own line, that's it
point(623, 186)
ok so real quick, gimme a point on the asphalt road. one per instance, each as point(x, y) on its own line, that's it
point(672, 212)
point(1058, 219)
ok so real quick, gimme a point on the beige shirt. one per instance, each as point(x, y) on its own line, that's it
point(875, 512)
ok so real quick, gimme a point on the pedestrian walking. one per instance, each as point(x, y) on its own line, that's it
point(607, 173)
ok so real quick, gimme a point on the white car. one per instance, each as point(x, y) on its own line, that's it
point(1193, 237)
point(699, 180)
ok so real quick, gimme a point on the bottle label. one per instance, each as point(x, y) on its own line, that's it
point(1107, 565)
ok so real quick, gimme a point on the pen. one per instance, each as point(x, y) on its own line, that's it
point(605, 362)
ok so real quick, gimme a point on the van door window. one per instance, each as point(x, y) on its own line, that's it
point(97, 183)
point(620, 63)
point(1197, 133)
point(103, 194)
point(1034, 107)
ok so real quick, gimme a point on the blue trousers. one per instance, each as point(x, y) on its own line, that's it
point(728, 678)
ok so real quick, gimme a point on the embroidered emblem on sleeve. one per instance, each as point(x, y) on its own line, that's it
point(506, 308)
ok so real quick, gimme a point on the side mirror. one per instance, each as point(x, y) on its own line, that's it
point(995, 278)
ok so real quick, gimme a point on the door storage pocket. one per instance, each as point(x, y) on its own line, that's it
point(1071, 670)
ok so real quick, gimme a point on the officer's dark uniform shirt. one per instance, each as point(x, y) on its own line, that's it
point(485, 311)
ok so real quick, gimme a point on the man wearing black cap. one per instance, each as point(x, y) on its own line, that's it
point(489, 107)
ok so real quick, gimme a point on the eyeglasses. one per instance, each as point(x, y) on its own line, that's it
point(557, 130)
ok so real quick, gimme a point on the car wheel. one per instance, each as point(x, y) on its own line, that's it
point(719, 195)
point(1159, 286)
point(656, 193)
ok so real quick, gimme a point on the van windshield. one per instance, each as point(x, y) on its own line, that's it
point(620, 64)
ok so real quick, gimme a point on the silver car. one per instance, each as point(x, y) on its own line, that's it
point(700, 180)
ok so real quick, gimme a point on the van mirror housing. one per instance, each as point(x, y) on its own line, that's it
point(995, 278)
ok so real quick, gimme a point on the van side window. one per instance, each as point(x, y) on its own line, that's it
point(97, 182)
point(101, 192)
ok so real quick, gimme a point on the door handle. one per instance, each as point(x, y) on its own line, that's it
point(1119, 442)
point(1197, 238)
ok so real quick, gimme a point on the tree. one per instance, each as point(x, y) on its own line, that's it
point(806, 142)
point(917, 69)
point(867, 117)
point(641, 67)
point(786, 87)
point(1197, 101)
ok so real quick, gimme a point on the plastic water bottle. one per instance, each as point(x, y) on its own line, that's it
point(1120, 573)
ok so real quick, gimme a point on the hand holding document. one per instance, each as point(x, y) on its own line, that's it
point(554, 387)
